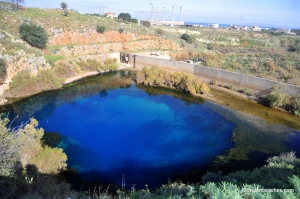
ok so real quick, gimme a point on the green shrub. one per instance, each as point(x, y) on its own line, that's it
point(155, 76)
point(100, 29)
point(133, 20)
point(277, 98)
point(159, 31)
point(23, 83)
point(296, 105)
point(3, 72)
point(185, 36)
point(121, 30)
point(191, 40)
point(53, 58)
point(210, 46)
point(34, 35)
point(246, 91)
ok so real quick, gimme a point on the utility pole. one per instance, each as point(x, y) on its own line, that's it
point(100, 11)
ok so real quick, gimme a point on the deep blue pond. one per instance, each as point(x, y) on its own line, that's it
point(111, 129)
point(146, 138)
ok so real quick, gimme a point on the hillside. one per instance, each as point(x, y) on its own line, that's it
point(73, 40)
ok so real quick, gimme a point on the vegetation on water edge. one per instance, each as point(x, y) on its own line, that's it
point(53, 78)
point(156, 76)
point(277, 98)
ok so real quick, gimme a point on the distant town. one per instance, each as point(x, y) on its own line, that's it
point(155, 21)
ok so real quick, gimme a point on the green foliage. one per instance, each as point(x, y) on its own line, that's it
point(188, 38)
point(159, 31)
point(277, 98)
point(124, 17)
point(34, 35)
point(294, 48)
point(296, 105)
point(133, 20)
point(155, 76)
point(94, 65)
point(63, 5)
point(246, 91)
point(121, 31)
point(23, 83)
point(100, 29)
point(53, 58)
point(109, 64)
point(50, 160)
point(3, 72)
point(8, 149)
point(185, 36)
point(212, 177)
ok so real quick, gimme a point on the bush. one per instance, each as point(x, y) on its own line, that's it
point(188, 38)
point(185, 36)
point(191, 40)
point(34, 35)
point(147, 24)
point(121, 30)
point(296, 106)
point(100, 29)
point(155, 76)
point(159, 31)
point(124, 17)
point(277, 98)
point(210, 46)
point(133, 20)
point(3, 72)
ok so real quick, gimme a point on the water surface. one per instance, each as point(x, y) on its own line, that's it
point(112, 129)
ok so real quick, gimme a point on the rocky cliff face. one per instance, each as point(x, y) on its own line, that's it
point(74, 45)
point(93, 42)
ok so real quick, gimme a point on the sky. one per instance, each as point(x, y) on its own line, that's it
point(272, 13)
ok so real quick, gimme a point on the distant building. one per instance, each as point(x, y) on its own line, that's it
point(245, 28)
point(213, 25)
point(110, 15)
point(256, 28)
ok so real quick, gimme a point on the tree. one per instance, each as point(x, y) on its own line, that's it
point(34, 35)
point(16, 3)
point(124, 17)
point(133, 20)
point(63, 5)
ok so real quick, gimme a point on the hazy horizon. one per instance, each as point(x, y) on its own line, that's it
point(274, 13)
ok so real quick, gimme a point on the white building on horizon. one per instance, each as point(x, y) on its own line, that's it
point(213, 25)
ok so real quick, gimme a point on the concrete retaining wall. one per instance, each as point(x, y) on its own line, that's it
point(240, 81)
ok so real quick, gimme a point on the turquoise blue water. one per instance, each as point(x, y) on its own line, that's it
point(112, 129)
point(148, 139)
